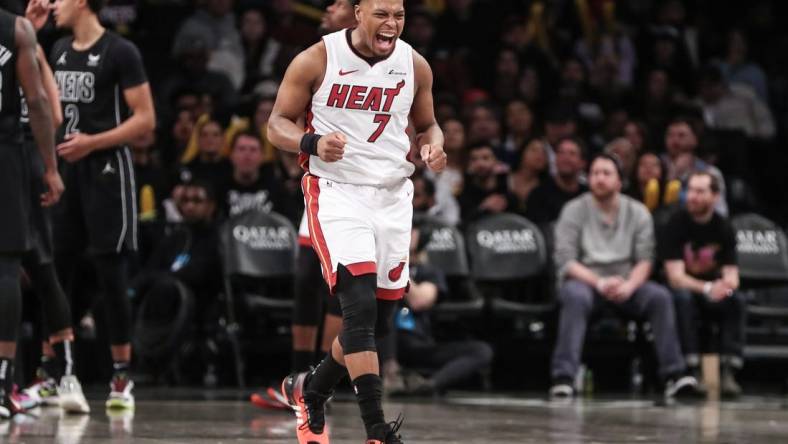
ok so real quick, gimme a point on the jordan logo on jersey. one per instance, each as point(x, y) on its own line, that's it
point(363, 97)
point(62, 59)
point(93, 60)
point(108, 169)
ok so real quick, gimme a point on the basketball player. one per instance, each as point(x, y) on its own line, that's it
point(310, 290)
point(360, 86)
point(18, 67)
point(57, 362)
point(106, 102)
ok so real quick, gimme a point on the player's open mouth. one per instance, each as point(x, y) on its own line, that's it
point(384, 40)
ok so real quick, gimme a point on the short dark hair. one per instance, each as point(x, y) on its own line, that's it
point(480, 145)
point(246, 133)
point(611, 157)
point(577, 141)
point(429, 185)
point(96, 5)
point(210, 191)
point(686, 120)
point(714, 183)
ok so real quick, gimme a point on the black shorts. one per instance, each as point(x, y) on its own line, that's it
point(40, 217)
point(98, 211)
point(14, 199)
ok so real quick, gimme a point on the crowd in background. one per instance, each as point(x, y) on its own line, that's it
point(526, 92)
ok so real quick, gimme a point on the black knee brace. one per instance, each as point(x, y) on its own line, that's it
point(309, 288)
point(359, 310)
point(112, 279)
point(10, 298)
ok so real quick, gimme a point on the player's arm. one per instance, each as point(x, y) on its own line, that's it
point(131, 78)
point(39, 110)
point(141, 121)
point(50, 86)
point(428, 134)
point(293, 98)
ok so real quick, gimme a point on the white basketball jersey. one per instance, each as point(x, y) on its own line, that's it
point(370, 105)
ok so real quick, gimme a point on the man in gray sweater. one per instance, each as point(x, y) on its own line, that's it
point(604, 252)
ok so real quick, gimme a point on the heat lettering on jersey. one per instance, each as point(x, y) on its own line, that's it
point(363, 98)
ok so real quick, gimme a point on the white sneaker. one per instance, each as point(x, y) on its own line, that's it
point(120, 397)
point(72, 400)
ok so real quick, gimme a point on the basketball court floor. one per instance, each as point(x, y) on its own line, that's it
point(193, 416)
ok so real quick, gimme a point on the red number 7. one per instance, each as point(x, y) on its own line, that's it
point(382, 120)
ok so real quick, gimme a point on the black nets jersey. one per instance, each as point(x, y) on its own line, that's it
point(91, 82)
point(9, 90)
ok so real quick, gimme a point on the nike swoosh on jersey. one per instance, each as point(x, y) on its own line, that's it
point(344, 73)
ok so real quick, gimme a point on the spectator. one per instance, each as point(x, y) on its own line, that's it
point(637, 134)
point(427, 201)
point(251, 186)
point(188, 251)
point(452, 362)
point(699, 250)
point(180, 132)
point(681, 141)
point(484, 191)
point(149, 176)
point(560, 123)
point(604, 252)
point(214, 24)
point(262, 112)
point(733, 108)
point(192, 73)
point(290, 28)
point(186, 255)
point(658, 100)
point(420, 32)
point(649, 184)
point(506, 75)
point(546, 201)
point(738, 70)
point(485, 124)
point(531, 171)
point(340, 14)
point(454, 145)
point(264, 56)
point(519, 130)
point(204, 159)
point(626, 154)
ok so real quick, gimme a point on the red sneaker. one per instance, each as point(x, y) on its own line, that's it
point(264, 400)
point(311, 427)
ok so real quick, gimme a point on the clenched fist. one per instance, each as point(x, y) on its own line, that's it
point(434, 157)
point(331, 147)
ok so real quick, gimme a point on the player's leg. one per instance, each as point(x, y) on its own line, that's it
point(332, 322)
point(307, 308)
point(112, 279)
point(58, 349)
point(10, 316)
point(110, 211)
point(344, 242)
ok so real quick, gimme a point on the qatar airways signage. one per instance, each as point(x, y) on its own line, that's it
point(508, 241)
point(764, 242)
point(264, 238)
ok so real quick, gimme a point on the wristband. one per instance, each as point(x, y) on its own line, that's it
point(309, 143)
point(707, 288)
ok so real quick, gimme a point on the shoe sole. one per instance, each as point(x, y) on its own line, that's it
point(74, 405)
point(119, 405)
